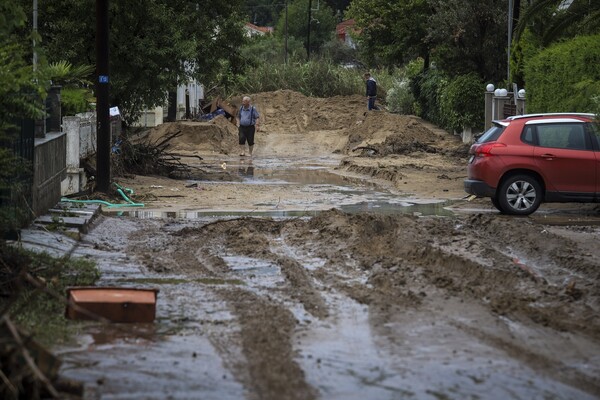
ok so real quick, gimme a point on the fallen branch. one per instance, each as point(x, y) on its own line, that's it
point(167, 139)
point(186, 155)
point(28, 359)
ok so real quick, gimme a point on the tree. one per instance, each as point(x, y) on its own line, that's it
point(154, 44)
point(555, 19)
point(470, 36)
point(392, 32)
point(19, 99)
point(565, 76)
point(263, 12)
point(17, 83)
point(321, 28)
point(270, 49)
point(544, 22)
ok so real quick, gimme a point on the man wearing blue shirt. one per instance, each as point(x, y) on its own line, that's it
point(247, 118)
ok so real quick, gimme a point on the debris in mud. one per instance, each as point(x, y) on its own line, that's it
point(572, 291)
point(28, 370)
point(29, 287)
point(150, 158)
point(115, 304)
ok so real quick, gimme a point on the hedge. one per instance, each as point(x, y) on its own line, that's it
point(564, 77)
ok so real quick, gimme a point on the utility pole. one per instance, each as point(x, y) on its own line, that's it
point(286, 32)
point(510, 30)
point(308, 30)
point(102, 100)
point(35, 31)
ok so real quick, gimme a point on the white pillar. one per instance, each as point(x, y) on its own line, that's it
point(72, 182)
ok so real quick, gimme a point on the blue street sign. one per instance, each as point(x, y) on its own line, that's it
point(103, 78)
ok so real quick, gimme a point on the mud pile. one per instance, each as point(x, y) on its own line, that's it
point(218, 135)
point(286, 111)
point(289, 112)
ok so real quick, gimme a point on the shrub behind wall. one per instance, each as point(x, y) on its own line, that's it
point(564, 77)
point(462, 103)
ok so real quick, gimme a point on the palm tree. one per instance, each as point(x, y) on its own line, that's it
point(76, 92)
point(581, 15)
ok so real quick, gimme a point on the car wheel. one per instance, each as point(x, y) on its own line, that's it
point(496, 204)
point(520, 195)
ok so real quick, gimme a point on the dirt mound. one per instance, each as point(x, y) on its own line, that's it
point(391, 132)
point(218, 135)
point(286, 111)
point(289, 112)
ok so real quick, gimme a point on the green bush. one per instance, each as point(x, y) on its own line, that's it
point(462, 103)
point(564, 77)
point(596, 109)
point(339, 52)
point(315, 78)
point(41, 311)
point(400, 97)
point(427, 88)
point(271, 49)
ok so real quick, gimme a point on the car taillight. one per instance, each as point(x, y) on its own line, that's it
point(486, 149)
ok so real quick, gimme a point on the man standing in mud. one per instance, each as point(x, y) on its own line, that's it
point(248, 122)
point(371, 91)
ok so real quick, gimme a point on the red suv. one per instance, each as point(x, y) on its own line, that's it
point(525, 160)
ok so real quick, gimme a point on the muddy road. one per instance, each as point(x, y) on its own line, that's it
point(324, 274)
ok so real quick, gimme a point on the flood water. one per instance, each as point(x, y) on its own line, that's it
point(317, 176)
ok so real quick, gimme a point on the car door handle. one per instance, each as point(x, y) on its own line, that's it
point(548, 156)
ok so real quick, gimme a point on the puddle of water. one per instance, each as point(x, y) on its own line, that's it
point(381, 207)
point(251, 266)
point(326, 190)
point(254, 272)
point(310, 176)
point(556, 218)
point(181, 367)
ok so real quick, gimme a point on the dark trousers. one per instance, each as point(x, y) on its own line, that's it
point(246, 133)
point(371, 104)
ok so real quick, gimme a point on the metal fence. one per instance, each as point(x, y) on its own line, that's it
point(17, 194)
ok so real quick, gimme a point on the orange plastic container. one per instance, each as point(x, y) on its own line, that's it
point(112, 303)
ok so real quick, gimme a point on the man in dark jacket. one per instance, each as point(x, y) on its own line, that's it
point(371, 91)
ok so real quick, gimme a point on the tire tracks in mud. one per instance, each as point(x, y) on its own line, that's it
point(266, 331)
point(392, 264)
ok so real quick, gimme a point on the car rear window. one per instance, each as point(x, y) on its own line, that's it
point(491, 134)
